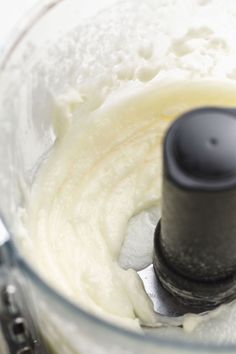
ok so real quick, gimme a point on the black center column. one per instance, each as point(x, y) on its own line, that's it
point(195, 242)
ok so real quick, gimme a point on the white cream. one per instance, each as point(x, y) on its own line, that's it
point(105, 166)
point(100, 173)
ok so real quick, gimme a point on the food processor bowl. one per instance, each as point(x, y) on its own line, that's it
point(37, 66)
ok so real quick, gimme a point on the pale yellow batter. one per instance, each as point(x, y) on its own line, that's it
point(117, 80)
point(103, 169)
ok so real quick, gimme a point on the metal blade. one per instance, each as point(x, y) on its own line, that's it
point(164, 303)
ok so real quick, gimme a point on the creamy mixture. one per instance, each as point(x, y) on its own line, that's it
point(102, 177)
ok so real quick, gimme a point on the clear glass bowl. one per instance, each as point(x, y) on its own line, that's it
point(32, 69)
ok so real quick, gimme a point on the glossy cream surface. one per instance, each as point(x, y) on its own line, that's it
point(100, 173)
point(101, 182)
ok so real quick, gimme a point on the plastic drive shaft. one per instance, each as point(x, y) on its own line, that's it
point(195, 241)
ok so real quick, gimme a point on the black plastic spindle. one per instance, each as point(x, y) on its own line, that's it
point(195, 241)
